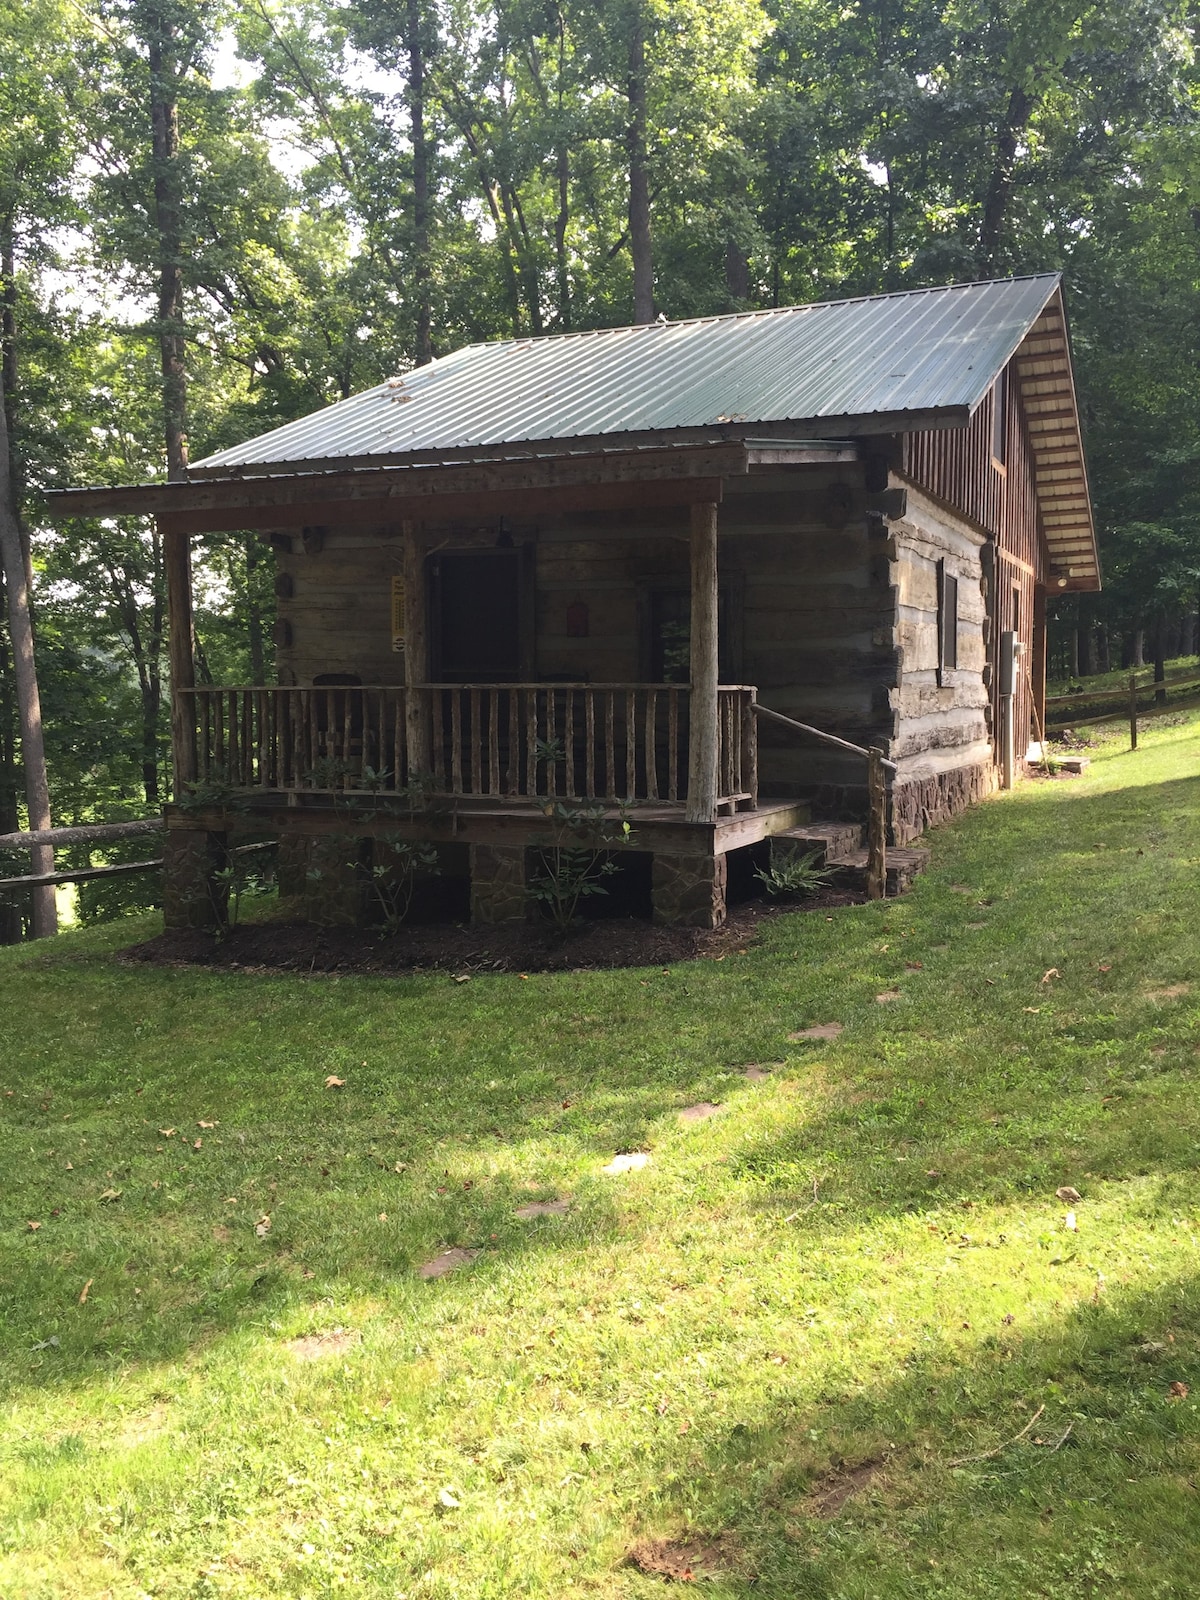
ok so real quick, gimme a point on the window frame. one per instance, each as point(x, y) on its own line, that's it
point(947, 629)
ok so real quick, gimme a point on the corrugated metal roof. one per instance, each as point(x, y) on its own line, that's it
point(923, 351)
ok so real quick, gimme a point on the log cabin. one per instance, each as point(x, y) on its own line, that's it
point(705, 576)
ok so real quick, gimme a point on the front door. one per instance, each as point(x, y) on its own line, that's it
point(476, 616)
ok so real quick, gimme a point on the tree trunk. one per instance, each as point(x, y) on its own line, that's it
point(737, 274)
point(999, 190)
point(639, 181)
point(422, 273)
point(1160, 661)
point(164, 127)
point(1137, 649)
point(29, 708)
point(563, 166)
point(1083, 646)
point(255, 634)
point(10, 912)
point(1103, 648)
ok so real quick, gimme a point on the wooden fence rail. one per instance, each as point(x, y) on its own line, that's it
point(557, 741)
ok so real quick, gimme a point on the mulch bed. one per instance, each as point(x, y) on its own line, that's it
point(511, 947)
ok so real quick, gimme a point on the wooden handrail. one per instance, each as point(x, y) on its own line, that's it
point(819, 733)
point(85, 833)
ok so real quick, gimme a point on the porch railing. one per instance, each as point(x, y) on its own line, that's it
point(569, 741)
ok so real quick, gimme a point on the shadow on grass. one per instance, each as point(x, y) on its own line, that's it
point(1098, 1496)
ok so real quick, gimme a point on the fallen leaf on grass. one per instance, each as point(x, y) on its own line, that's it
point(462, 977)
point(167, 1133)
point(83, 1293)
point(821, 1030)
point(111, 1194)
point(1051, 972)
point(448, 1498)
point(1104, 966)
point(263, 1226)
point(633, 1162)
point(1178, 1391)
point(46, 1344)
point(1032, 1010)
point(208, 1124)
point(914, 966)
point(197, 1144)
point(33, 1226)
point(1067, 1195)
point(448, 1261)
point(334, 1083)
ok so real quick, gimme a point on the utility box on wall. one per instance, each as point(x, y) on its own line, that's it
point(1011, 651)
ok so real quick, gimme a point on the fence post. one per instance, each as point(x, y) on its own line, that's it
point(1133, 710)
point(876, 827)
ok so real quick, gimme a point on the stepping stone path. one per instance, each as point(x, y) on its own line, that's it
point(312, 1346)
point(633, 1162)
point(448, 1261)
point(887, 997)
point(699, 1112)
point(543, 1208)
point(754, 1073)
point(822, 1030)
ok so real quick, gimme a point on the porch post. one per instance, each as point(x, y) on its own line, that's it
point(702, 714)
point(178, 566)
point(416, 653)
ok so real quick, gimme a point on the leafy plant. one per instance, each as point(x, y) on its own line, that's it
point(393, 880)
point(574, 857)
point(248, 872)
point(214, 792)
point(802, 877)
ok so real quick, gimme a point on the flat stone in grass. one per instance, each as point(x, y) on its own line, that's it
point(543, 1208)
point(634, 1161)
point(821, 1030)
point(700, 1112)
point(312, 1346)
point(886, 998)
point(684, 1560)
point(755, 1072)
point(448, 1261)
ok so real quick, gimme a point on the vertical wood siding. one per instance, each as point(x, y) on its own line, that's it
point(956, 465)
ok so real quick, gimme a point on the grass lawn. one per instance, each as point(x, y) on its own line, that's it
point(811, 1329)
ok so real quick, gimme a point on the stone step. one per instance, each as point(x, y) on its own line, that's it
point(903, 865)
point(828, 840)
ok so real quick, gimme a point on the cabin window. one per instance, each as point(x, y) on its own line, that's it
point(667, 648)
point(947, 621)
point(1000, 420)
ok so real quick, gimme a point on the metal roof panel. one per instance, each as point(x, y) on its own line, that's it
point(924, 350)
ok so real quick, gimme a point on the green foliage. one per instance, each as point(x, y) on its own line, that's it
point(802, 876)
point(574, 857)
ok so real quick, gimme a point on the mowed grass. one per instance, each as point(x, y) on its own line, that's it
point(808, 1329)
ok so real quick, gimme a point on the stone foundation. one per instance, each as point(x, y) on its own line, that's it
point(193, 896)
point(924, 802)
point(916, 803)
point(498, 883)
point(689, 891)
point(337, 893)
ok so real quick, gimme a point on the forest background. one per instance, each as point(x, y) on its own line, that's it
point(215, 217)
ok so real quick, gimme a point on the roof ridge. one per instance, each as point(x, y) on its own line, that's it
point(515, 340)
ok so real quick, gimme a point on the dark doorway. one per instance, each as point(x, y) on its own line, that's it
point(476, 615)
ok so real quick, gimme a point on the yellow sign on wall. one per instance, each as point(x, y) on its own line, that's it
point(397, 613)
